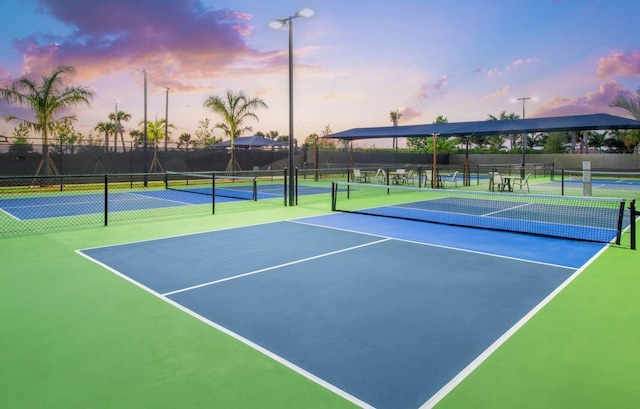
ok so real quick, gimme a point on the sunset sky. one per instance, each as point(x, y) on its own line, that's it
point(355, 60)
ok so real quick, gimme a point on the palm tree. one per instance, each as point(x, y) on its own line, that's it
point(47, 99)
point(107, 128)
point(117, 117)
point(631, 105)
point(234, 109)
point(394, 116)
point(155, 130)
point(596, 140)
point(496, 140)
point(155, 133)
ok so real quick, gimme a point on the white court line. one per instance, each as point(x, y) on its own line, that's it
point(273, 267)
point(10, 215)
point(456, 380)
point(275, 357)
point(432, 401)
point(175, 236)
point(440, 246)
point(155, 198)
point(506, 210)
point(121, 198)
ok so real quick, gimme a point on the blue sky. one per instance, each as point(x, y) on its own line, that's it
point(355, 60)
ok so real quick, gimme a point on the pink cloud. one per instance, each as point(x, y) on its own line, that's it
point(501, 93)
point(175, 39)
point(619, 64)
point(408, 114)
point(515, 64)
point(438, 85)
point(593, 102)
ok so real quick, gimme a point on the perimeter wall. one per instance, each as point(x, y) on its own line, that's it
point(600, 161)
point(134, 161)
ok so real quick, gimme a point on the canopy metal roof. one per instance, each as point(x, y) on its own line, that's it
point(590, 122)
point(250, 142)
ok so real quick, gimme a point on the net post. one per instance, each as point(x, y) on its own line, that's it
point(255, 189)
point(586, 178)
point(334, 192)
point(106, 199)
point(632, 226)
point(213, 194)
point(562, 182)
point(296, 185)
point(620, 218)
point(285, 186)
point(166, 180)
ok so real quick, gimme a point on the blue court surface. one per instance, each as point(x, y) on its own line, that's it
point(384, 312)
point(43, 207)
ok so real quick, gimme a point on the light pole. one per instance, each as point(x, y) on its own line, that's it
point(166, 120)
point(279, 24)
point(145, 170)
point(524, 136)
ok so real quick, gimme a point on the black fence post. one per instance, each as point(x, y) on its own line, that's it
point(213, 194)
point(106, 199)
point(632, 227)
point(285, 186)
point(334, 193)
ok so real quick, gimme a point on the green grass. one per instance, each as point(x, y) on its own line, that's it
point(580, 351)
point(75, 335)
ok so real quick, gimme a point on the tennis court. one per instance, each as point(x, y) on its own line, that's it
point(385, 313)
point(50, 205)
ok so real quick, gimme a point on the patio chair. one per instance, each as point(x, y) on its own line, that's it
point(360, 177)
point(496, 181)
point(522, 183)
point(381, 175)
point(454, 179)
point(410, 177)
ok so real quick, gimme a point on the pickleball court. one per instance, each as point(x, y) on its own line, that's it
point(385, 312)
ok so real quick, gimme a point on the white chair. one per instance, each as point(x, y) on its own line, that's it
point(454, 179)
point(495, 180)
point(359, 176)
point(381, 175)
point(522, 183)
point(410, 177)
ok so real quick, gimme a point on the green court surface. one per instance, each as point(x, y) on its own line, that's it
point(75, 335)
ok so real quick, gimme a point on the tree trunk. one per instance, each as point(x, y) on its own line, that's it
point(46, 160)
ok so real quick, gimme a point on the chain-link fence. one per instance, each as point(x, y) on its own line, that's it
point(42, 203)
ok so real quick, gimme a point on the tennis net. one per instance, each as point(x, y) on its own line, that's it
point(235, 187)
point(578, 218)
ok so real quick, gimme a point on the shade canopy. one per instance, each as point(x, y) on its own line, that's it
point(590, 122)
point(251, 142)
